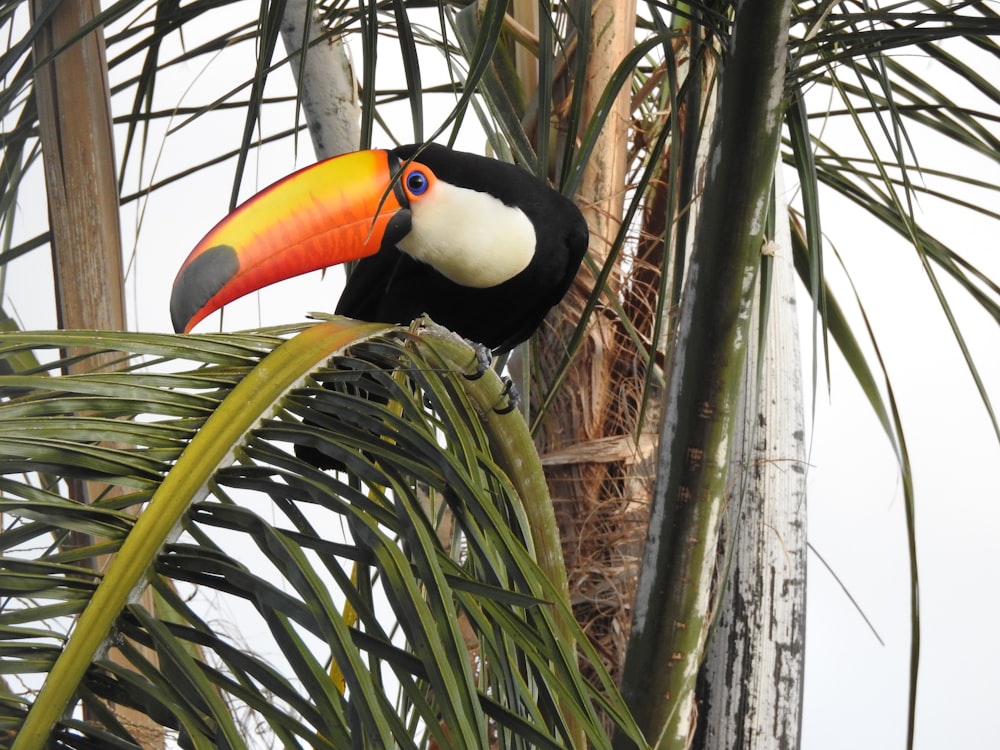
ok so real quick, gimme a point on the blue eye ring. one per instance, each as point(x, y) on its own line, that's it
point(417, 182)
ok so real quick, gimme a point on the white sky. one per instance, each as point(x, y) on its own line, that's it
point(855, 688)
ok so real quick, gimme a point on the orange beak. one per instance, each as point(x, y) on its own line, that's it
point(341, 209)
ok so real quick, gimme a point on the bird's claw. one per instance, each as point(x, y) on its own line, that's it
point(509, 392)
point(484, 358)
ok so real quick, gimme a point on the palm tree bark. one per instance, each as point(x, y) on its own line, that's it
point(588, 423)
point(74, 114)
point(750, 689)
point(78, 151)
point(324, 80)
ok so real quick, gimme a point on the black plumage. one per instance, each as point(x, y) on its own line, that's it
point(392, 287)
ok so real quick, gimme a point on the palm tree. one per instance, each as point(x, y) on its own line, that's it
point(463, 601)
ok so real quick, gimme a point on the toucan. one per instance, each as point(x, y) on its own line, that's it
point(481, 246)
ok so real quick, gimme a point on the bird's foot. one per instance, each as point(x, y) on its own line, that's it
point(509, 392)
point(484, 358)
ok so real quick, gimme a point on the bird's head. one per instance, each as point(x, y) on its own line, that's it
point(456, 212)
point(341, 209)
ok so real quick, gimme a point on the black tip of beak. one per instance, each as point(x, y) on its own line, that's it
point(200, 280)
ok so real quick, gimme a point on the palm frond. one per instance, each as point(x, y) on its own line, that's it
point(486, 645)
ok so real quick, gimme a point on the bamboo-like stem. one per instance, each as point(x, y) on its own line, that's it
point(672, 614)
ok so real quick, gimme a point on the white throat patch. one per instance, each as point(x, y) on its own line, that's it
point(470, 237)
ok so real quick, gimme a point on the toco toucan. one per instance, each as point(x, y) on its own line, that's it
point(483, 247)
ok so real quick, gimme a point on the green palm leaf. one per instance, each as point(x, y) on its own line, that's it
point(238, 478)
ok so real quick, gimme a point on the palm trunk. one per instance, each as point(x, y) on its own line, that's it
point(587, 435)
point(74, 112)
point(750, 688)
point(78, 150)
point(324, 80)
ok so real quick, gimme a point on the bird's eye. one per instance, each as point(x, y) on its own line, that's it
point(416, 183)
